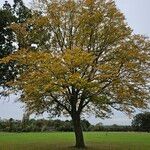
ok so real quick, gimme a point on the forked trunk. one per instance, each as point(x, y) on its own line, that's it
point(78, 131)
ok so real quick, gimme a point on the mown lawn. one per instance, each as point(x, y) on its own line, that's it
point(65, 141)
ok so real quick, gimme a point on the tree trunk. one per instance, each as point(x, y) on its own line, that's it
point(78, 131)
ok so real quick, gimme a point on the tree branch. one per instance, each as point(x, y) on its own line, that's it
point(62, 105)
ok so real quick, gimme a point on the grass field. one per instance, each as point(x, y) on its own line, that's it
point(64, 141)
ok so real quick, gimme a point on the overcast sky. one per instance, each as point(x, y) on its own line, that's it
point(137, 13)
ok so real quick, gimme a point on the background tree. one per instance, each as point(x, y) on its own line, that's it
point(8, 40)
point(21, 12)
point(85, 125)
point(86, 59)
point(98, 127)
point(141, 122)
point(25, 121)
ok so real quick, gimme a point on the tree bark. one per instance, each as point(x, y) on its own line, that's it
point(78, 131)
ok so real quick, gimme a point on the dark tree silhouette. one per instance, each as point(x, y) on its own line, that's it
point(141, 122)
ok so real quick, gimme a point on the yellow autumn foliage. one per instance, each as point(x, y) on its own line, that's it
point(86, 58)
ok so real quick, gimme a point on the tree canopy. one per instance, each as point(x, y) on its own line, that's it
point(80, 57)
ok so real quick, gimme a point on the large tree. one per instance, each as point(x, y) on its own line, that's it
point(80, 57)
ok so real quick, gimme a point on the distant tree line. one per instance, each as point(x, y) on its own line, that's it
point(41, 125)
point(140, 122)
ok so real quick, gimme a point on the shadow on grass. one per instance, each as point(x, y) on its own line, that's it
point(67, 146)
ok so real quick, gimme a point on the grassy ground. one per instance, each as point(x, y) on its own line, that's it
point(64, 141)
